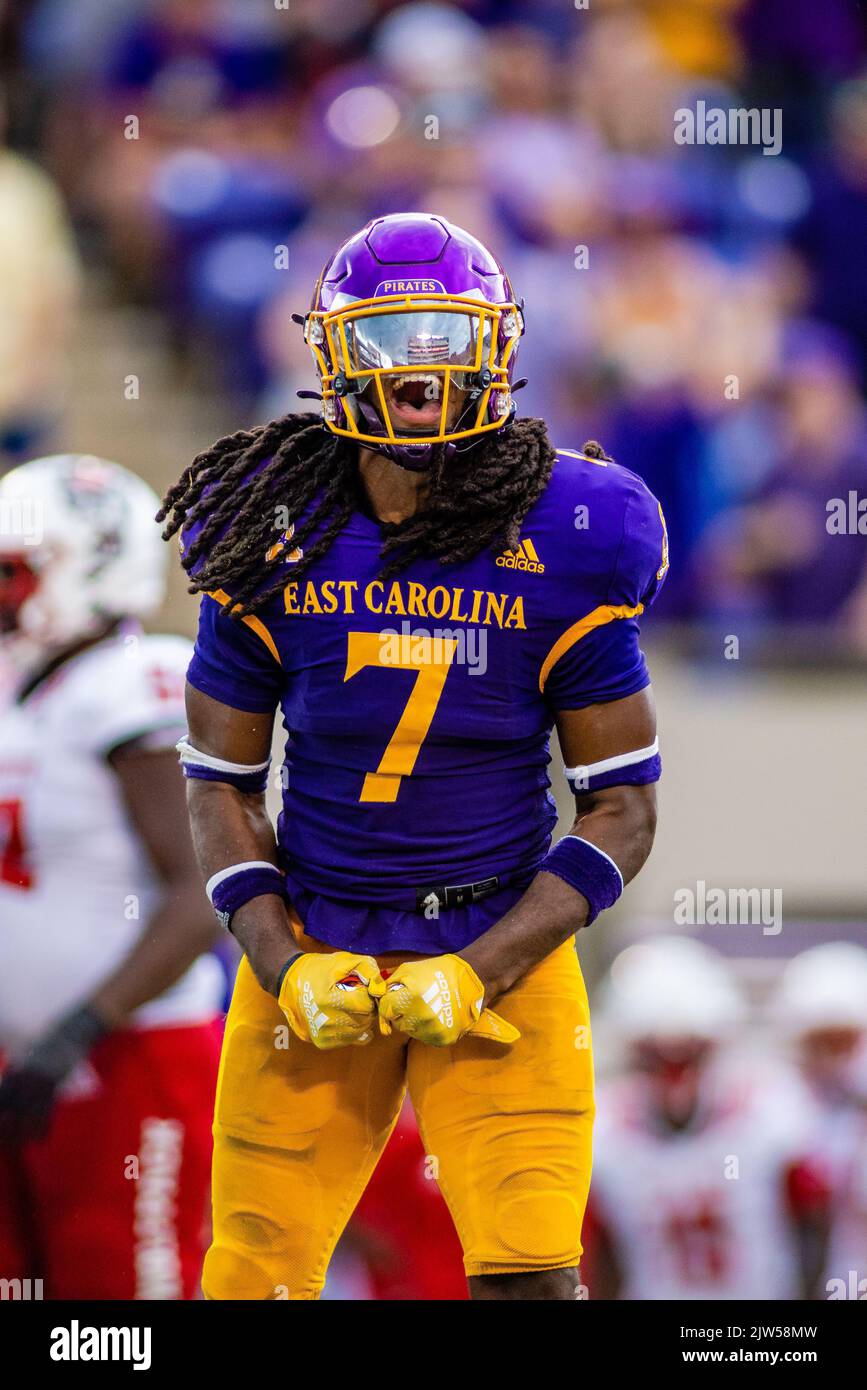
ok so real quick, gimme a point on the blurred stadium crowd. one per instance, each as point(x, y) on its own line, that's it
point(714, 336)
point(701, 310)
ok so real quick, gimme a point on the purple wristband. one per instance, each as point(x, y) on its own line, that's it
point(231, 888)
point(586, 869)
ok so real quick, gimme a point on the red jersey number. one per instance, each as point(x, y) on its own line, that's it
point(698, 1238)
point(14, 865)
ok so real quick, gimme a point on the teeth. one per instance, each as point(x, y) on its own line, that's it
point(424, 377)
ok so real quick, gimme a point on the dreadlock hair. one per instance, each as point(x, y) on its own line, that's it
point(476, 500)
point(594, 450)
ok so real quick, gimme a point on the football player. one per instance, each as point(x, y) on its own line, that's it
point(703, 1185)
point(424, 586)
point(820, 1009)
point(107, 1006)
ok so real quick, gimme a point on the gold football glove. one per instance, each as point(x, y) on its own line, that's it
point(326, 1000)
point(437, 1001)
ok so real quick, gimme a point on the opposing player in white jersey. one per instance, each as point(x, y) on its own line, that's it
point(700, 1188)
point(820, 1009)
point(108, 1006)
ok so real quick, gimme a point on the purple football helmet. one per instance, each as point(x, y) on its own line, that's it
point(414, 331)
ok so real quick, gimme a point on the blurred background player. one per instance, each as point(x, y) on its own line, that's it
point(402, 1227)
point(820, 1008)
point(699, 1188)
point(107, 1005)
point(401, 1244)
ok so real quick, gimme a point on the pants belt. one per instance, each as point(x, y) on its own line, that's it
point(456, 894)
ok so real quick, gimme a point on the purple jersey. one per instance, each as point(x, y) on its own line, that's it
point(418, 710)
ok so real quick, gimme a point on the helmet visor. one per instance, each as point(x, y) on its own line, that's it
point(420, 339)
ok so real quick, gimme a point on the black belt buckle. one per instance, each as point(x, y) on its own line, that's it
point(456, 894)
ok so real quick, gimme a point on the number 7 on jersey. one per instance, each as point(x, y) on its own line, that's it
point(431, 660)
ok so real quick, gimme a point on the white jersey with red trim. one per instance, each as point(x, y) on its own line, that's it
point(839, 1140)
point(76, 883)
point(703, 1212)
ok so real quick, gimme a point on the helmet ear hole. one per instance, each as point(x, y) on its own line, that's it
point(343, 387)
point(480, 381)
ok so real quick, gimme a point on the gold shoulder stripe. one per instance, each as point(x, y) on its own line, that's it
point(663, 564)
point(604, 614)
point(577, 454)
point(254, 624)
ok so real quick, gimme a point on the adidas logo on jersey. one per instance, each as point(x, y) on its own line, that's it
point(527, 558)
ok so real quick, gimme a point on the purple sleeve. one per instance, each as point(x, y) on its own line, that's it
point(607, 663)
point(232, 664)
point(641, 563)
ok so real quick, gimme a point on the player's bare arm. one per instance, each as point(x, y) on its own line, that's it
point(620, 821)
point(182, 926)
point(232, 827)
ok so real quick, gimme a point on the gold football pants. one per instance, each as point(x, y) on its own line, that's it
point(298, 1132)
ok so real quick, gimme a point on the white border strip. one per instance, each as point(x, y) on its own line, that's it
point(192, 756)
point(216, 879)
point(638, 755)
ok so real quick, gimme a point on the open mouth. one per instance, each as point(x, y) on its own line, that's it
point(414, 400)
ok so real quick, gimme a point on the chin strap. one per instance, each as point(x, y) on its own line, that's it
point(480, 382)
